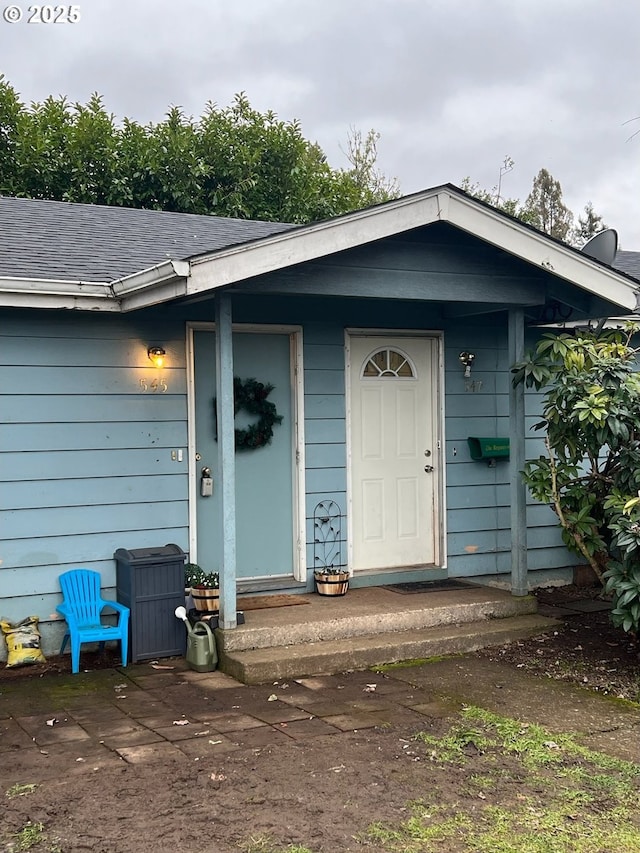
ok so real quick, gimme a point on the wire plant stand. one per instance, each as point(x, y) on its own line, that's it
point(330, 572)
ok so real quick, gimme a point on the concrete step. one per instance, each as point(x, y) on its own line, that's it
point(261, 665)
point(366, 612)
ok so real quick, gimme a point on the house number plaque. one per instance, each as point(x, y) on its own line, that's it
point(154, 386)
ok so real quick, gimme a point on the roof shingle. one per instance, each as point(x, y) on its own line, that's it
point(628, 262)
point(84, 242)
point(43, 239)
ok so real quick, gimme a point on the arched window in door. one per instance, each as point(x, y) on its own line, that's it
point(388, 363)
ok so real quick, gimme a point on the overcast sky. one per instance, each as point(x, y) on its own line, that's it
point(453, 86)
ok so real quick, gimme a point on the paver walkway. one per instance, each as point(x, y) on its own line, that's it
point(161, 712)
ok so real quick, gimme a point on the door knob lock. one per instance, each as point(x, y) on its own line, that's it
point(428, 469)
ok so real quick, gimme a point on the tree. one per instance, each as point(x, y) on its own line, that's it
point(543, 208)
point(232, 161)
point(511, 206)
point(546, 208)
point(590, 474)
point(494, 196)
point(588, 226)
point(362, 153)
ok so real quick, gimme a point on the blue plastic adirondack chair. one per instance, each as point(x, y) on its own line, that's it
point(81, 607)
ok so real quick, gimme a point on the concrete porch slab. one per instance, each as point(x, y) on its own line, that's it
point(369, 610)
point(371, 626)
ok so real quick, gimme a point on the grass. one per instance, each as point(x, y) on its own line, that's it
point(30, 835)
point(19, 790)
point(405, 664)
point(521, 790)
point(512, 787)
point(264, 844)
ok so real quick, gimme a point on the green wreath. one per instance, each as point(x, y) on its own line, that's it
point(251, 395)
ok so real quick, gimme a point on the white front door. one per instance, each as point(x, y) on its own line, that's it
point(393, 450)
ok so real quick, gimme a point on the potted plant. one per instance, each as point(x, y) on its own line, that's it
point(204, 586)
point(192, 574)
point(331, 580)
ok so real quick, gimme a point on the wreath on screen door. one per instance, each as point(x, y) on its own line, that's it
point(251, 396)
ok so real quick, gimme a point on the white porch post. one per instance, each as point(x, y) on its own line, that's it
point(518, 491)
point(226, 459)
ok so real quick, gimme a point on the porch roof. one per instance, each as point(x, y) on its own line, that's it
point(60, 255)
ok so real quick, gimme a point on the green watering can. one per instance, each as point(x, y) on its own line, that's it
point(202, 654)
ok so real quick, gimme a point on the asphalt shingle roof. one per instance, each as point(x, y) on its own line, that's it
point(72, 242)
point(628, 262)
point(83, 242)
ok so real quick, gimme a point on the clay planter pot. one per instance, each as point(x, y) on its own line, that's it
point(331, 584)
point(206, 600)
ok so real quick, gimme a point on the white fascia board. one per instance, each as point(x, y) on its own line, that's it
point(315, 241)
point(149, 278)
point(311, 242)
point(173, 279)
point(542, 252)
point(158, 293)
point(56, 302)
point(55, 293)
point(157, 284)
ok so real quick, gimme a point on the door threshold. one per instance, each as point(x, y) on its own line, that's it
point(269, 585)
point(422, 568)
point(398, 574)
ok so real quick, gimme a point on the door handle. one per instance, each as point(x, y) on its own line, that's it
point(428, 469)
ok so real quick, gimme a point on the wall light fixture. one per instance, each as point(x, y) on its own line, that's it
point(466, 360)
point(157, 356)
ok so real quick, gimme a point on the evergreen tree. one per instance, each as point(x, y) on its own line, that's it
point(588, 225)
point(546, 208)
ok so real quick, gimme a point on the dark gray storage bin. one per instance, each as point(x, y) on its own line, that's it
point(150, 582)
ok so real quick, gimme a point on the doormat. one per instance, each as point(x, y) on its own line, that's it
point(262, 602)
point(427, 586)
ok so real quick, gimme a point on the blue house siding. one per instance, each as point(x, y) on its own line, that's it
point(85, 451)
point(86, 439)
point(478, 500)
point(475, 407)
point(325, 435)
point(404, 269)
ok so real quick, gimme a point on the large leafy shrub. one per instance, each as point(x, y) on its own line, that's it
point(231, 161)
point(590, 474)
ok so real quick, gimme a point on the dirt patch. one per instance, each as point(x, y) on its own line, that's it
point(317, 794)
point(61, 665)
point(322, 791)
point(587, 650)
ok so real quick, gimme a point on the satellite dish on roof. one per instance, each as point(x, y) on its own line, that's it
point(603, 246)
